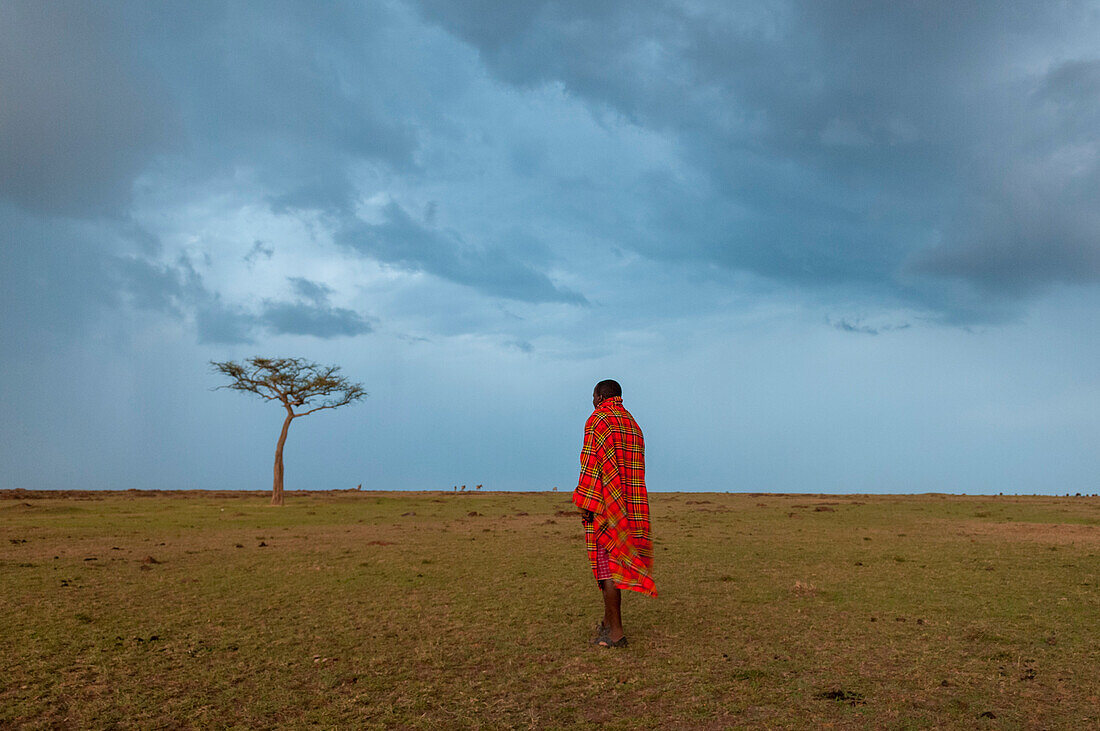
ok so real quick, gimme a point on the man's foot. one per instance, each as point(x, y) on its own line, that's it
point(601, 633)
point(608, 642)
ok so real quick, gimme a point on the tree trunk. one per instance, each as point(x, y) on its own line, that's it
point(277, 487)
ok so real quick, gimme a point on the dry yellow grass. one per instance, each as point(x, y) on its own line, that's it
point(376, 610)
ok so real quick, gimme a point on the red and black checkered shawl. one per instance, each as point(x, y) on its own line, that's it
point(612, 486)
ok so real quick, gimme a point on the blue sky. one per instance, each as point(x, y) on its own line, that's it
point(825, 247)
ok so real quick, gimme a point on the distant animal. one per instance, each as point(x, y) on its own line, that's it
point(359, 486)
point(478, 487)
point(463, 487)
point(555, 488)
point(456, 488)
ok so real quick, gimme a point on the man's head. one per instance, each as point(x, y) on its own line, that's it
point(605, 390)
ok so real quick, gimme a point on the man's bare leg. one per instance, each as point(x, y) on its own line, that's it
point(612, 604)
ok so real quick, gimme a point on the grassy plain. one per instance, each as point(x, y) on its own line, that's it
point(417, 610)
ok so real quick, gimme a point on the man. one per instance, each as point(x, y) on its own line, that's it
point(614, 507)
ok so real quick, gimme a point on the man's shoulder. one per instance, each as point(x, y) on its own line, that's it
point(629, 418)
point(597, 420)
point(612, 421)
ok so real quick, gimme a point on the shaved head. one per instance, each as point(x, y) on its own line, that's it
point(607, 389)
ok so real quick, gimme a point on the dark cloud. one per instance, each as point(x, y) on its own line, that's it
point(148, 286)
point(313, 292)
point(63, 276)
point(842, 144)
point(54, 278)
point(308, 318)
point(917, 155)
point(314, 315)
point(1022, 238)
point(303, 99)
point(93, 98)
point(1073, 88)
point(296, 96)
point(857, 326)
point(1031, 218)
point(332, 191)
point(93, 94)
point(521, 345)
point(259, 249)
point(80, 117)
point(219, 324)
point(402, 241)
point(179, 291)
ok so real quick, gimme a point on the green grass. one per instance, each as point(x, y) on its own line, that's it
point(404, 610)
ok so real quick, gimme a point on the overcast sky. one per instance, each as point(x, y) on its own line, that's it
point(825, 247)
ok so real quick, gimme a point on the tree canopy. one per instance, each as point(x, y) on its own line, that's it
point(295, 382)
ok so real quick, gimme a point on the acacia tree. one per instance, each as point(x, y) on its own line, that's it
point(302, 387)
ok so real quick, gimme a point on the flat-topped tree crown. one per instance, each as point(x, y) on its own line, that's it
point(296, 383)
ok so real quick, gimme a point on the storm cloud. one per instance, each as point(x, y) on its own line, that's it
point(773, 221)
point(840, 142)
point(81, 116)
point(179, 291)
point(925, 156)
point(400, 240)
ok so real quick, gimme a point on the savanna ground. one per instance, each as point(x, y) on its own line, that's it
point(360, 610)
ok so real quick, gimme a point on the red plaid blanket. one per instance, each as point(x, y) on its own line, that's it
point(612, 486)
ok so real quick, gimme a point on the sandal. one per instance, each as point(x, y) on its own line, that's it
point(601, 633)
point(605, 641)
